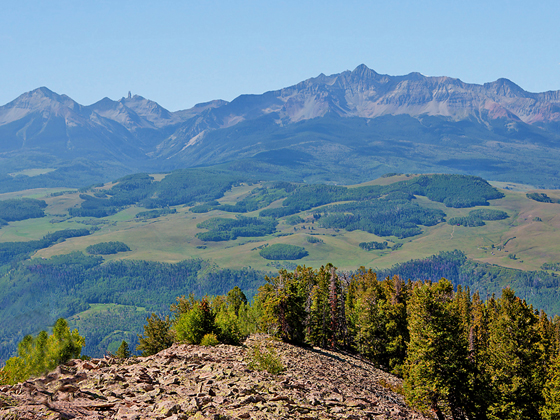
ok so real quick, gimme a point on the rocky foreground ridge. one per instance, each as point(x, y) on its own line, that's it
point(187, 381)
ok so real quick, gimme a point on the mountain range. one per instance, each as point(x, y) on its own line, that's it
point(342, 128)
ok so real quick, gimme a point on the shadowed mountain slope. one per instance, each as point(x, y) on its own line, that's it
point(380, 123)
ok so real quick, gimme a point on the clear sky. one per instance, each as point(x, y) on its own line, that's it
point(179, 53)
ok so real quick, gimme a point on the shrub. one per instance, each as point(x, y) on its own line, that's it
point(209, 340)
point(265, 360)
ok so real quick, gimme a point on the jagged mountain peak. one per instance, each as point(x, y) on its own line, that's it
point(361, 94)
point(41, 98)
point(365, 72)
point(505, 87)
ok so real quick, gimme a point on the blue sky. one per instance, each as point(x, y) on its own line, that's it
point(180, 53)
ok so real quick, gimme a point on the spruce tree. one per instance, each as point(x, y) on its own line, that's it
point(551, 393)
point(513, 359)
point(436, 368)
point(283, 300)
point(157, 335)
point(123, 352)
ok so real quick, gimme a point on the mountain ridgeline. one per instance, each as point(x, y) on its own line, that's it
point(342, 128)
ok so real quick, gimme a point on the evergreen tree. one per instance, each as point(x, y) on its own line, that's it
point(123, 352)
point(479, 382)
point(377, 318)
point(283, 300)
point(157, 335)
point(551, 393)
point(436, 368)
point(319, 317)
point(236, 298)
point(514, 359)
point(41, 354)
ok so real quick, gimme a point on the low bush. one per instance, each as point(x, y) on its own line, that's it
point(209, 340)
point(268, 360)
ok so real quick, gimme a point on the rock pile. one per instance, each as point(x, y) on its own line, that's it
point(195, 382)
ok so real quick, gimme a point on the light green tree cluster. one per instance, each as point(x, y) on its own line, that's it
point(221, 319)
point(41, 354)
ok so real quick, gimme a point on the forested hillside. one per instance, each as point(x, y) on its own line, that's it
point(460, 356)
point(108, 255)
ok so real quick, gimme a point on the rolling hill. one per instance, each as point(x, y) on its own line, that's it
point(195, 231)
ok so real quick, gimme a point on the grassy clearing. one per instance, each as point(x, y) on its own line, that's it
point(32, 172)
point(511, 186)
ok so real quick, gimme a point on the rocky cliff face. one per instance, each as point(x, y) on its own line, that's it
point(37, 116)
point(367, 94)
point(377, 122)
point(210, 383)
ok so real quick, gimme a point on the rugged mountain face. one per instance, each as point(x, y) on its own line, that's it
point(380, 123)
point(367, 94)
point(211, 382)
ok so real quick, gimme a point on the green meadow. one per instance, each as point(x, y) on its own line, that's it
point(172, 237)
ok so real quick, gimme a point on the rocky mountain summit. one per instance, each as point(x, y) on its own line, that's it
point(197, 382)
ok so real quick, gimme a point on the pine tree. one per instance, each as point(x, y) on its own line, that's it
point(157, 335)
point(123, 352)
point(436, 368)
point(551, 393)
point(513, 359)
